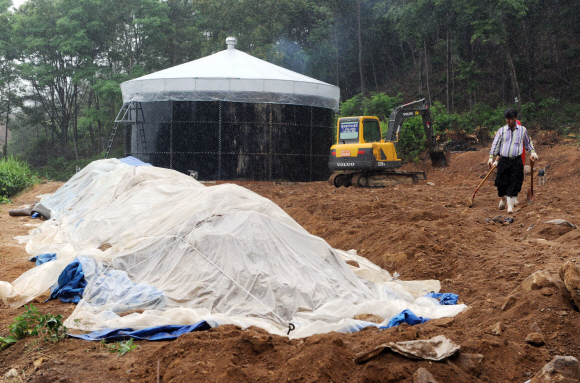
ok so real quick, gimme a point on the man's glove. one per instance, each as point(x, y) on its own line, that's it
point(495, 164)
point(490, 162)
point(534, 156)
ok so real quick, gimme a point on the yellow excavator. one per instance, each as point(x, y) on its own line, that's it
point(361, 156)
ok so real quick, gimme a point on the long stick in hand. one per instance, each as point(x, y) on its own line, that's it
point(470, 202)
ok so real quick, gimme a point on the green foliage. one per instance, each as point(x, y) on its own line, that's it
point(352, 107)
point(15, 175)
point(412, 140)
point(549, 102)
point(25, 324)
point(378, 104)
point(551, 113)
point(481, 115)
point(7, 341)
point(51, 328)
point(121, 348)
point(58, 169)
point(33, 323)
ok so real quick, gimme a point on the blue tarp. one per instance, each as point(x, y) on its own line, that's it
point(444, 299)
point(43, 258)
point(406, 316)
point(116, 286)
point(134, 161)
point(71, 283)
point(111, 285)
point(151, 333)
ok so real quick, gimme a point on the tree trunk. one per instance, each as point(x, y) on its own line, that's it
point(46, 137)
point(374, 72)
point(100, 126)
point(513, 75)
point(427, 71)
point(448, 60)
point(362, 82)
point(503, 80)
point(36, 125)
point(336, 56)
point(514, 78)
point(64, 123)
point(529, 35)
point(91, 130)
point(403, 50)
point(394, 66)
point(420, 72)
point(75, 90)
point(64, 138)
point(452, 84)
point(2, 99)
point(7, 119)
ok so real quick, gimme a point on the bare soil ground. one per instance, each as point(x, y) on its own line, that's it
point(420, 231)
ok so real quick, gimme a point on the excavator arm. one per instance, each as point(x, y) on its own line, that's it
point(413, 109)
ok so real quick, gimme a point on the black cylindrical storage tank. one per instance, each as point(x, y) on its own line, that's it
point(231, 116)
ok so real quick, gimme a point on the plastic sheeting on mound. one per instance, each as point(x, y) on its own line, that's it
point(181, 253)
point(154, 333)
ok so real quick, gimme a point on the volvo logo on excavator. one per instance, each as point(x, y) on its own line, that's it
point(345, 163)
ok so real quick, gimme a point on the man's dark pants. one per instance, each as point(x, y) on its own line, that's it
point(510, 176)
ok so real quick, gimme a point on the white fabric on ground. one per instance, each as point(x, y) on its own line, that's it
point(222, 254)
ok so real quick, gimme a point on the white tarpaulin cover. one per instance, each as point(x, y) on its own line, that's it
point(184, 252)
point(231, 75)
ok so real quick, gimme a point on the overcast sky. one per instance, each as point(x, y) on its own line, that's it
point(17, 3)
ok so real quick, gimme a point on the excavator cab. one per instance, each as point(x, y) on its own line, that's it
point(364, 157)
point(360, 146)
point(358, 130)
point(371, 130)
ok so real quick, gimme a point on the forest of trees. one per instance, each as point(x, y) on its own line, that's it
point(61, 61)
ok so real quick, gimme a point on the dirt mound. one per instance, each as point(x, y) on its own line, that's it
point(421, 231)
point(550, 232)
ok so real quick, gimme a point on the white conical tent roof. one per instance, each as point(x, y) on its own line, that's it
point(231, 75)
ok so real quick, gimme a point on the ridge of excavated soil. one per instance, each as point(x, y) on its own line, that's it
point(423, 231)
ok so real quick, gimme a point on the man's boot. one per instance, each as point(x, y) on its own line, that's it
point(511, 201)
point(502, 203)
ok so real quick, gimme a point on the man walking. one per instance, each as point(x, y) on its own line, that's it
point(507, 149)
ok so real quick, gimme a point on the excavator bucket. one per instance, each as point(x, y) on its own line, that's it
point(439, 158)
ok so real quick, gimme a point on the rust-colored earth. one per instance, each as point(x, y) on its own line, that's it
point(420, 231)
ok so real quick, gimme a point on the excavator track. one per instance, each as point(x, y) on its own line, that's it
point(340, 179)
point(375, 179)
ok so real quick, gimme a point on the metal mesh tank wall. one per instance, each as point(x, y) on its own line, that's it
point(233, 141)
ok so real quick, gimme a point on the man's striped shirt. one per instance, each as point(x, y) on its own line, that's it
point(509, 143)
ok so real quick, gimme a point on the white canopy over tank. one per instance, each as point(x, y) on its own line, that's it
point(235, 76)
